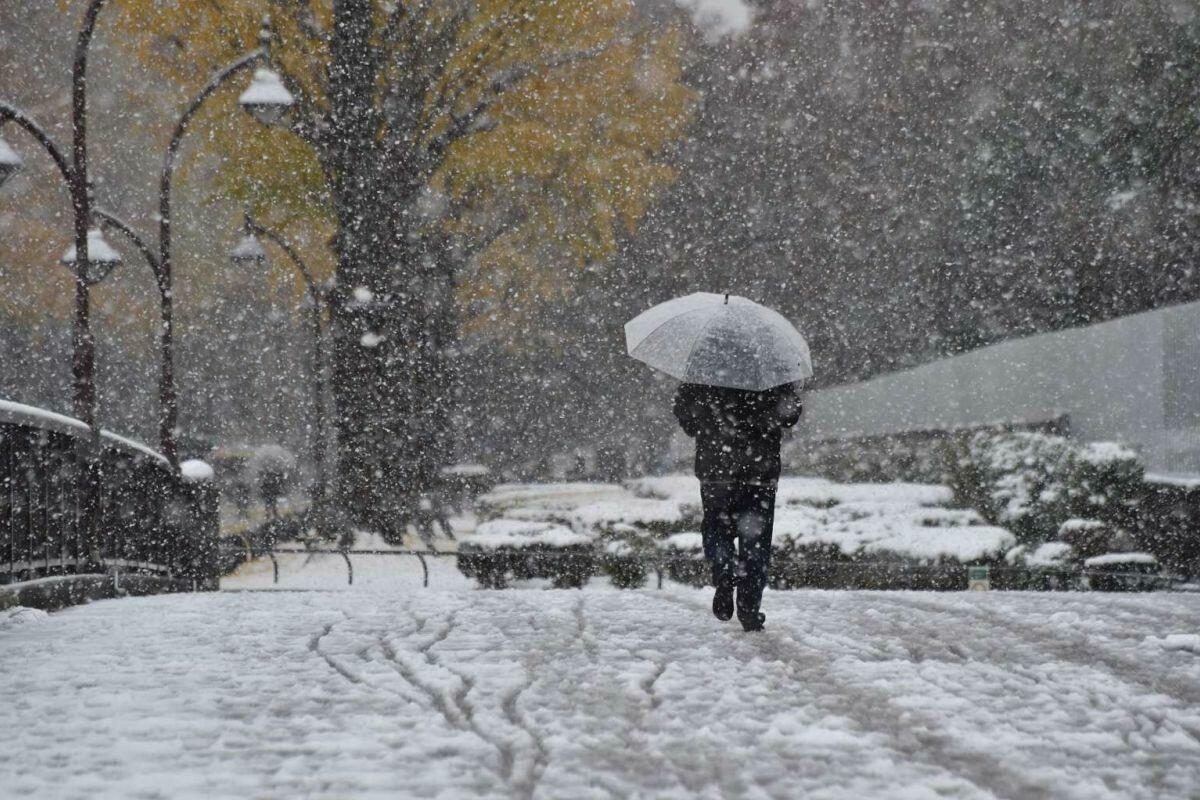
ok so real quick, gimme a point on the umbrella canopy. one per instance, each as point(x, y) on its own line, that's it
point(719, 340)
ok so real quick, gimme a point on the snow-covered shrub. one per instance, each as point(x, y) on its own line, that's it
point(658, 517)
point(1168, 518)
point(549, 499)
point(1048, 555)
point(1032, 482)
point(683, 559)
point(1086, 537)
point(502, 550)
point(863, 532)
point(1050, 566)
point(1108, 481)
point(626, 561)
point(1122, 572)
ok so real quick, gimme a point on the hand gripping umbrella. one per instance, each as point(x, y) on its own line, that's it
point(719, 340)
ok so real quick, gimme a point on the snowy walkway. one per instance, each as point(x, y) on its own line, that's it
point(598, 693)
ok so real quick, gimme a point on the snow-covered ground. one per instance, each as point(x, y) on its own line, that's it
point(391, 691)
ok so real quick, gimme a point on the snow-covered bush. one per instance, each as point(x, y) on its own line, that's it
point(655, 517)
point(652, 525)
point(1122, 572)
point(815, 545)
point(683, 559)
point(547, 499)
point(1048, 555)
point(502, 550)
point(1086, 537)
point(1032, 483)
point(1168, 518)
point(1043, 567)
point(625, 561)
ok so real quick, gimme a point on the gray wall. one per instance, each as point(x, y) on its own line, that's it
point(1134, 380)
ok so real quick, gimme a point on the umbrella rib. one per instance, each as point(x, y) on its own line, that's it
point(687, 362)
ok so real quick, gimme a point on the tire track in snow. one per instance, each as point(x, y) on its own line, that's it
point(1087, 653)
point(314, 646)
point(647, 685)
point(1180, 615)
point(872, 711)
point(536, 655)
point(585, 639)
point(540, 757)
point(452, 706)
point(1078, 647)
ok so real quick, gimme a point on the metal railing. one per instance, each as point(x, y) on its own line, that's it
point(808, 573)
point(148, 518)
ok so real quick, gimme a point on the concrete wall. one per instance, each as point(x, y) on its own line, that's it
point(1135, 380)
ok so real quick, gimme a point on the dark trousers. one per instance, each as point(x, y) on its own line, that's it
point(745, 513)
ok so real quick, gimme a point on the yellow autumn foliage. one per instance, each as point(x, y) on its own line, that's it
point(573, 155)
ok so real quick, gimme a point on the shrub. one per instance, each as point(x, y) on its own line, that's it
point(1168, 518)
point(1123, 572)
point(1032, 483)
point(626, 561)
point(504, 549)
point(1086, 537)
point(683, 559)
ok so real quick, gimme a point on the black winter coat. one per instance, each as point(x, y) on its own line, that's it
point(737, 432)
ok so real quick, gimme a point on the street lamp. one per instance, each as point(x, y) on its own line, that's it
point(102, 258)
point(10, 162)
point(266, 98)
point(248, 253)
point(269, 98)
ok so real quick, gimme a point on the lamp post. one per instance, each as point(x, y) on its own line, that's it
point(268, 99)
point(83, 345)
point(248, 253)
point(102, 259)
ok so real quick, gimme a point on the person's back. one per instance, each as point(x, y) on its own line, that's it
point(737, 432)
point(738, 435)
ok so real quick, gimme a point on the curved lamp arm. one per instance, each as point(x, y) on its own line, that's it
point(301, 267)
point(181, 127)
point(9, 112)
point(320, 499)
point(126, 230)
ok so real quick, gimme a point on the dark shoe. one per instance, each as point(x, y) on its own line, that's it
point(752, 621)
point(723, 602)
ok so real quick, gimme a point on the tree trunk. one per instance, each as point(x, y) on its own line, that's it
point(392, 310)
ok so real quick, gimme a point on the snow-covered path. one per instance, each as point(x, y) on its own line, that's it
point(597, 693)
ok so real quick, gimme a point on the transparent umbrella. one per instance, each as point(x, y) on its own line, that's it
point(719, 340)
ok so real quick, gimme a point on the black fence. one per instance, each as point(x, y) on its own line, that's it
point(497, 569)
point(148, 519)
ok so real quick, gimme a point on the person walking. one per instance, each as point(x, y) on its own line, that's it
point(741, 365)
point(738, 435)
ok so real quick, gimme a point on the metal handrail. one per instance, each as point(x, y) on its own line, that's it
point(659, 562)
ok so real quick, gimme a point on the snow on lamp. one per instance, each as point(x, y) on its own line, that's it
point(103, 258)
point(266, 98)
point(248, 253)
point(10, 162)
